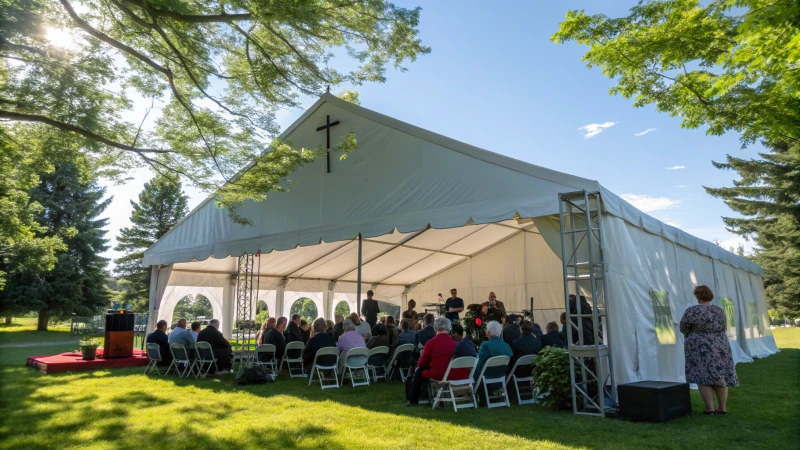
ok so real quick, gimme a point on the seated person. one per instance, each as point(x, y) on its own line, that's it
point(464, 346)
point(434, 360)
point(380, 337)
point(329, 325)
point(349, 340)
point(493, 303)
point(391, 327)
point(180, 335)
point(410, 313)
point(427, 332)
point(362, 327)
point(274, 336)
point(306, 331)
point(195, 330)
point(320, 339)
point(219, 345)
point(406, 336)
point(293, 331)
point(338, 327)
point(159, 336)
point(526, 344)
point(493, 347)
point(537, 330)
point(553, 337)
point(511, 332)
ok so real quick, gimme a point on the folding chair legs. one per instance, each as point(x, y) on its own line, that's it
point(152, 365)
point(489, 403)
point(203, 371)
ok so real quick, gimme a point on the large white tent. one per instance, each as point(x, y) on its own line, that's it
point(434, 214)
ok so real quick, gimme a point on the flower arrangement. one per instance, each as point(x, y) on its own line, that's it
point(475, 321)
point(88, 347)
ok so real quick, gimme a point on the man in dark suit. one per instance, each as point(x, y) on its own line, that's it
point(526, 344)
point(511, 332)
point(427, 332)
point(275, 337)
point(294, 333)
point(219, 345)
point(552, 337)
point(370, 310)
point(159, 336)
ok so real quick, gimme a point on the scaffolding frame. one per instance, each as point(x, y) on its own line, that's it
point(590, 361)
point(244, 350)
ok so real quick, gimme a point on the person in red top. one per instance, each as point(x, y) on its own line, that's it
point(434, 360)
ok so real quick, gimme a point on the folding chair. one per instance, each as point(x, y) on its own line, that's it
point(265, 356)
point(402, 361)
point(493, 365)
point(455, 391)
point(527, 381)
point(325, 355)
point(154, 353)
point(294, 355)
point(205, 355)
point(355, 360)
point(376, 363)
point(180, 357)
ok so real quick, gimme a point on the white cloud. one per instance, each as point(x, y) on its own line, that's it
point(648, 204)
point(593, 129)
point(683, 185)
point(642, 133)
point(676, 167)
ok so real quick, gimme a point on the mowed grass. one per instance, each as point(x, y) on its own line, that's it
point(23, 331)
point(122, 409)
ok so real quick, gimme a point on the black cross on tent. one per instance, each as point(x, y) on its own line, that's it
point(327, 128)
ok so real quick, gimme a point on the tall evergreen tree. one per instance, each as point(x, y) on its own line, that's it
point(70, 206)
point(161, 205)
point(768, 195)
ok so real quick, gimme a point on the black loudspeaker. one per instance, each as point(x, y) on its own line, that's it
point(654, 401)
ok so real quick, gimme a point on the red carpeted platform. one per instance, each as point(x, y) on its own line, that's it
point(74, 361)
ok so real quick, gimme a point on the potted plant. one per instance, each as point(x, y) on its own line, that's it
point(89, 348)
point(551, 381)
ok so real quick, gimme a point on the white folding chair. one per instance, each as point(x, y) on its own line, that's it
point(460, 393)
point(180, 358)
point(376, 363)
point(333, 354)
point(265, 356)
point(402, 361)
point(205, 356)
point(294, 355)
point(495, 362)
point(154, 353)
point(354, 361)
point(513, 380)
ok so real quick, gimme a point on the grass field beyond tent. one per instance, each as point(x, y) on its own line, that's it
point(122, 409)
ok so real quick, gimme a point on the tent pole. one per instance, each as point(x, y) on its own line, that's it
point(358, 289)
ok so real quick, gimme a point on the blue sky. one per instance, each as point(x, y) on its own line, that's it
point(494, 80)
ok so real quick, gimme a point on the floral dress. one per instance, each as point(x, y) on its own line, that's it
point(706, 347)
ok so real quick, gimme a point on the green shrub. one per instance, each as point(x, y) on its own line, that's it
point(88, 343)
point(551, 382)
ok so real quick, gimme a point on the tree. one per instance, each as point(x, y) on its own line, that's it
point(731, 66)
point(221, 69)
point(70, 204)
point(193, 306)
point(342, 308)
point(306, 308)
point(161, 205)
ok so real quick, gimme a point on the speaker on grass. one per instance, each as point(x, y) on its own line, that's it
point(654, 401)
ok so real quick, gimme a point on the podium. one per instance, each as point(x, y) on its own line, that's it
point(119, 335)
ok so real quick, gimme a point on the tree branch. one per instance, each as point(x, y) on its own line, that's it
point(21, 117)
point(193, 18)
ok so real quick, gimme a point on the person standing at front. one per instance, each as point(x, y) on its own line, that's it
point(709, 362)
point(453, 306)
point(370, 310)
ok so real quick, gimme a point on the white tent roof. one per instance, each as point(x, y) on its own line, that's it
point(408, 191)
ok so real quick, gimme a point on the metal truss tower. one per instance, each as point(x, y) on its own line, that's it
point(243, 349)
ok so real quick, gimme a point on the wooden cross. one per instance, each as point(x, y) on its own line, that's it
point(327, 128)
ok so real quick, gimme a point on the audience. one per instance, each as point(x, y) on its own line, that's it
point(553, 337)
point(180, 335)
point(410, 313)
point(362, 327)
point(159, 336)
point(526, 344)
point(195, 330)
point(306, 331)
point(511, 332)
point(428, 332)
point(380, 337)
point(293, 332)
point(349, 340)
point(464, 346)
point(391, 326)
point(493, 347)
point(434, 359)
point(406, 335)
point(329, 327)
point(274, 336)
point(219, 345)
point(320, 339)
point(537, 331)
point(338, 328)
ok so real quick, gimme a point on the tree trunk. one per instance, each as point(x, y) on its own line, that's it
point(43, 318)
point(8, 320)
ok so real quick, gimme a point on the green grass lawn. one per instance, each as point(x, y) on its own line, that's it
point(23, 330)
point(122, 409)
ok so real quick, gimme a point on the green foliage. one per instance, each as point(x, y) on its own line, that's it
point(262, 312)
point(306, 308)
point(342, 308)
point(349, 96)
point(551, 381)
point(216, 71)
point(70, 204)
point(88, 343)
point(162, 204)
point(475, 324)
point(191, 307)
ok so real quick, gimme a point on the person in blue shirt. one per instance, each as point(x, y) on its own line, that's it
point(453, 306)
point(464, 347)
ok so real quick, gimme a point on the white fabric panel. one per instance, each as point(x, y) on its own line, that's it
point(760, 342)
point(726, 287)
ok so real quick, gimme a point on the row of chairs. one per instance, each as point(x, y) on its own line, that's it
point(182, 363)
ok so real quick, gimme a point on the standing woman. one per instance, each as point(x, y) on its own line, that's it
point(709, 363)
